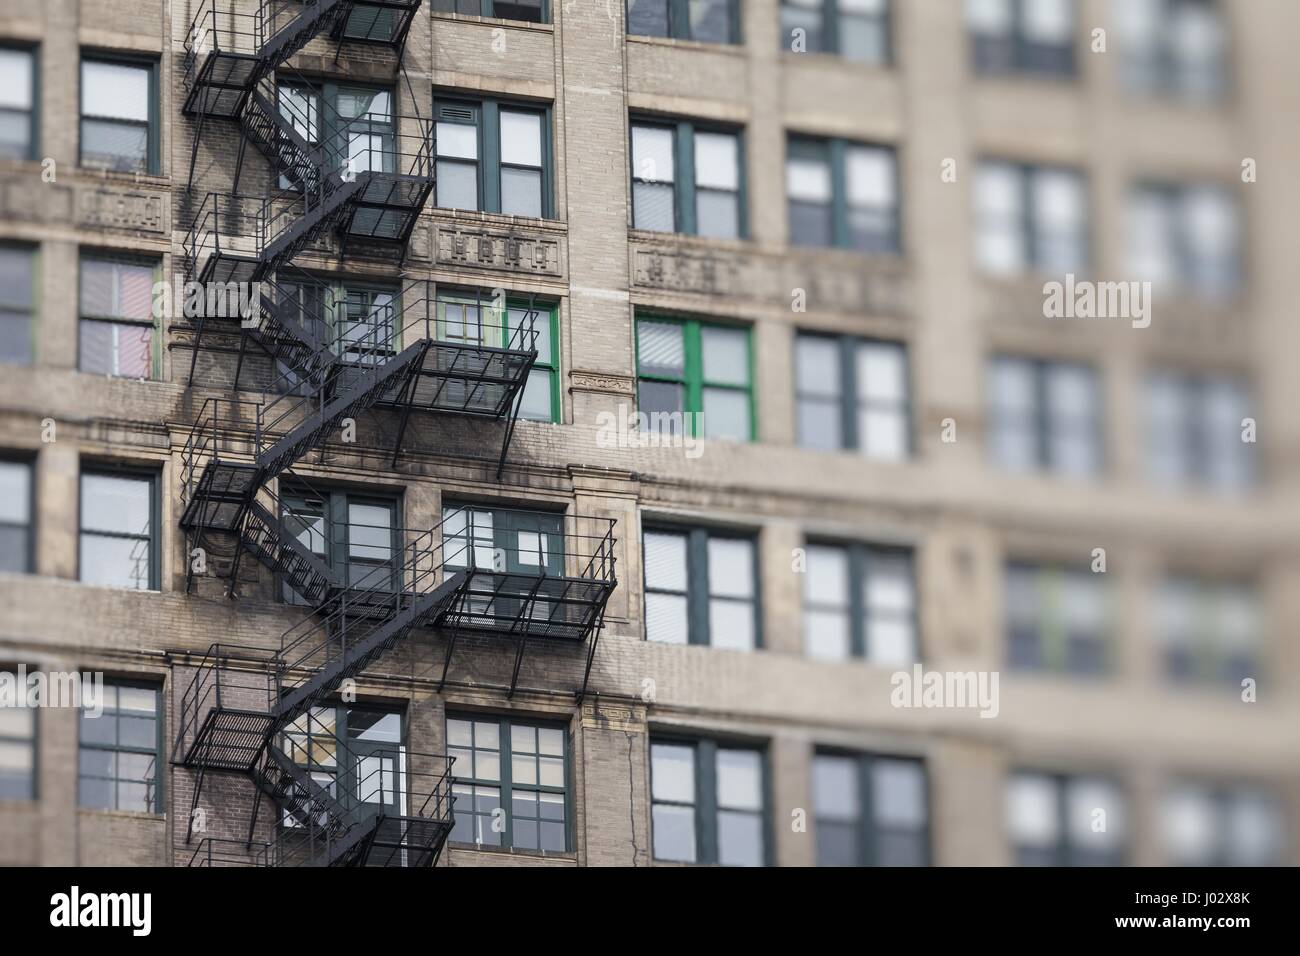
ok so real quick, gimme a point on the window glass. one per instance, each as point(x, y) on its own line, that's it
point(119, 752)
point(117, 534)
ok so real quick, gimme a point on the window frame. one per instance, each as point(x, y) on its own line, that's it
point(549, 313)
point(697, 594)
point(835, 149)
point(1194, 440)
point(686, 218)
point(153, 149)
point(505, 783)
point(487, 8)
point(833, 34)
point(27, 461)
point(1204, 644)
point(488, 165)
point(678, 20)
point(1163, 76)
point(850, 404)
point(159, 782)
point(137, 473)
point(1052, 617)
point(706, 808)
point(1041, 369)
point(859, 557)
point(33, 50)
point(33, 253)
point(112, 256)
point(1030, 239)
point(1022, 62)
point(336, 515)
point(32, 742)
point(867, 828)
point(1065, 851)
point(692, 381)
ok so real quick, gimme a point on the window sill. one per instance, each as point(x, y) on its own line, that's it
point(568, 855)
point(838, 61)
point(496, 21)
point(109, 587)
point(691, 239)
point(499, 219)
point(729, 49)
point(136, 179)
point(123, 814)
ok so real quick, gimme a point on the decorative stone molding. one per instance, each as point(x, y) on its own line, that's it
point(829, 285)
point(137, 211)
point(479, 247)
point(601, 382)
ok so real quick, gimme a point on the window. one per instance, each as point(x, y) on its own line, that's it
point(117, 329)
point(18, 295)
point(1205, 824)
point(1057, 820)
point(18, 133)
point(694, 378)
point(1022, 36)
point(1030, 218)
point(1187, 237)
point(353, 124)
point(120, 759)
point(701, 588)
point(355, 534)
point(852, 393)
point(708, 803)
point(541, 398)
point(705, 21)
point(494, 157)
point(534, 11)
point(842, 194)
point(1209, 630)
point(1057, 618)
point(17, 749)
point(870, 810)
point(119, 115)
point(855, 29)
point(356, 753)
point(1044, 415)
point(1194, 431)
point(1174, 47)
point(510, 783)
point(859, 601)
point(118, 530)
point(16, 505)
point(686, 179)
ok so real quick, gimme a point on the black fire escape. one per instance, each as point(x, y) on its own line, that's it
point(394, 808)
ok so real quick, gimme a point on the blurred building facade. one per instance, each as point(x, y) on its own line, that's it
point(825, 227)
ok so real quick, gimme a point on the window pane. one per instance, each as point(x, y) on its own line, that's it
point(731, 567)
point(717, 214)
point(740, 839)
point(740, 779)
point(726, 414)
point(652, 207)
point(120, 288)
point(521, 138)
point(1032, 817)
point(652, 154)
point(521, 192)
point(710, 21)
point(717, 163)
point(898, 793)
point(115, 90)
point(665, 561)
point(661, 349)
point(15, 492)
point(731, 625)
point(672, 773)
point(674, 833)
point(115, 562)
point(459, 140)
point(115, 504)
point(647, 18)
point(835, 788)
point(538, 395)
point(725, 356)
point(662, 397)
point(457, 185)
point(666, 618)
point(808, 179)
point(15, 79)
point(817, 366)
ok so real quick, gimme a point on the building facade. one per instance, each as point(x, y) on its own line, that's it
point(778, 270)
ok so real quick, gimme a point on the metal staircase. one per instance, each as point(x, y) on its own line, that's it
point(354, 185)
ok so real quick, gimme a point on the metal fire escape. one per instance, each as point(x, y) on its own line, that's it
point(243, 703)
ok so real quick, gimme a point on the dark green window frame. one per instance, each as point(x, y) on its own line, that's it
point(548, 364)
point(861, 835)
point(678, 21)
point(18, 306)
point(498, 9)
point(832, 34)
point(1066, 851)
point(851, 405)
point(686, 218)
point(1014, 52)
point(859, 557)
point(833, 154)
point(463, 775)
point(692, 379)
point(87, 311)
point(334, 509)
point(33, 110)
point(19, 785)
point(698, 593)
point(27, 528)
point(153, 783)
point(154, 535)
point(487, 120)
point(705, 805)
point(1047, 640)
point(154, 149)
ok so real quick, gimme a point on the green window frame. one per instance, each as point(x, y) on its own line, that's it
point(19, 734)
point(672, 376)
point(839, 406)
point(116, 315)
point(315, 110)
point(485, 152)
point(681, 20)
point(860, 602)
point(710, 802)
point(837, 27)
point(120, 751)
point(870, 809)
point(151, 162)
point(19, 302)
point(708, 198)
point(499, 9)
point(543, 385)
point(325, 522)
point(517, 797)
point(1058, 619)
point(19, 112)
point(1051, 815)
point(701, 587)
point(119, 528)
point(17, 515)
